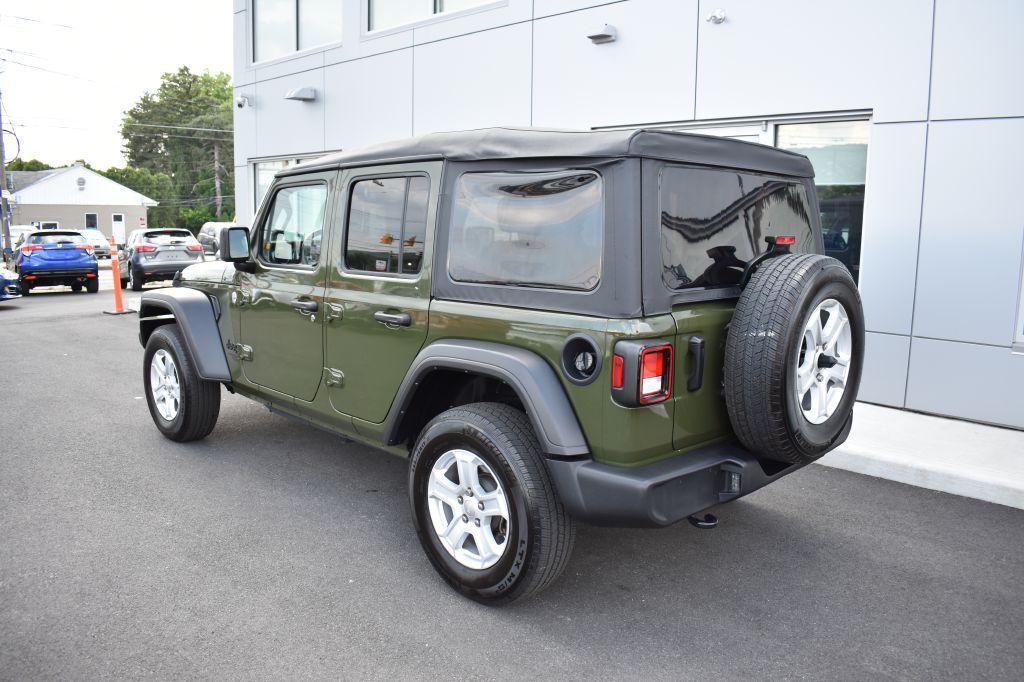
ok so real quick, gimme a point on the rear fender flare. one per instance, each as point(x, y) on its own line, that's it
point(533, 380)
point(195, 315)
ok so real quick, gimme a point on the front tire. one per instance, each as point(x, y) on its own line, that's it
point(183, 405)
point(484, 507)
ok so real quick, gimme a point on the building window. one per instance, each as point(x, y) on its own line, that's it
point(838, 151)
point(263, 173)
point(387, 224)
point(385, 14)
point(281, 27)
point(91, 221)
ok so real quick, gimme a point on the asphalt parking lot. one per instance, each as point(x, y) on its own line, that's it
point(274, 550)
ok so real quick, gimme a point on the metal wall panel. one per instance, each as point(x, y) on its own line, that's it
point(368, 100)
point(473, 81)
point(885, 369)
point(286, 126)
point(892, 219)
point(971, 231)
point(967, 380)
point(978, 58)
point(808, 55)
point(545, 8)
point(646, 75)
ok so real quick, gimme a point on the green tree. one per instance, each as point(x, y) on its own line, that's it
point(157, 186)
point(183, 130)
point(29, 165)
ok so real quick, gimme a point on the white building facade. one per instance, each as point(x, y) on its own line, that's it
point(911, 111)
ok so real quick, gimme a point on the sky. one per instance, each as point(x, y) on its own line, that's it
point(69, 69)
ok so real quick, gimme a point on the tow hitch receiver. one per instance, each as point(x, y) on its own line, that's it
point(707, 523)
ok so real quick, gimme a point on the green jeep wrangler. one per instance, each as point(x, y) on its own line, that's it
point(622, 328)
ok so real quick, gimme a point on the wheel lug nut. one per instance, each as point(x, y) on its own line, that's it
point(465, 518)
point(480, 506)
point(469, 493)
point(477, 522)
point(460, 499)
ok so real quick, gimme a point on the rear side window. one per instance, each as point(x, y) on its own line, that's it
point(387, 224)
point(293, 229)
point(714, 222)
point(528, 229)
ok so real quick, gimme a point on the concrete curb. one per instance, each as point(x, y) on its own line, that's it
point(962, 458)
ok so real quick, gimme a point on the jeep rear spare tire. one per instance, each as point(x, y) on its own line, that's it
point(793, 358)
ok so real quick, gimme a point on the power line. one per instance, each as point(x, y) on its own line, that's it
point(34, 21)
point(160, 125)
point(183, 137)
point(40, 68)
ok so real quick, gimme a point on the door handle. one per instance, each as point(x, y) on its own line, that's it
point(305, 307)
point(393, 319)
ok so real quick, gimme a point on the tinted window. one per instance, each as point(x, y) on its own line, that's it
point(714, 222)
point(528, 229)
point(387, 224)
point(165, 235)
point(294, 226)
point(56, 238)
point(90, 220)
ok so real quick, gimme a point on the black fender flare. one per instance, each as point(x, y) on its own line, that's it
point(196, 316)
point(533, 380)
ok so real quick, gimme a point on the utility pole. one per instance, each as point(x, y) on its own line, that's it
point(216, 180)
point(5, 207)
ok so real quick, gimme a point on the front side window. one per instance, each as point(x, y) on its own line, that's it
point(385, 14)
point(528, 229)
point(387, 225)
point(293, 228)
point(281, 27)
point(838, 151)
point(713, 223)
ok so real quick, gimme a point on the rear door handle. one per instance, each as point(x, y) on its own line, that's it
point(393, 319)
point(304, 306)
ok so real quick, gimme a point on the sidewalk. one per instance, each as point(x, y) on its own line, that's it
point(963, 458)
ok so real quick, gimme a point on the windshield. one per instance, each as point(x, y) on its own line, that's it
point(56, 238)
point(528, 229)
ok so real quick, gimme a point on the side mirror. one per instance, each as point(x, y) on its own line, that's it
point(234, 244)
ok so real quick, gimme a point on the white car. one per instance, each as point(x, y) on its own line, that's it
point(99, 242)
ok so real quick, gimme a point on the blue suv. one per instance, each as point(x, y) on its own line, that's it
point(54, 257)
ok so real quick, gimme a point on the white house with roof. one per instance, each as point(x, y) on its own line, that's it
point(75, 198)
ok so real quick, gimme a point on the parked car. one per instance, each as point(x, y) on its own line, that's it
point(9, 285)
point(154, 255)
point(18, 233)
point(618, 327)
point(56, 257)
point(99, 242)
point(209, 236)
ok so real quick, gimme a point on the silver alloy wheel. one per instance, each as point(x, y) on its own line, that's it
point(163, 384)
point(823, 365)
point(468, 509)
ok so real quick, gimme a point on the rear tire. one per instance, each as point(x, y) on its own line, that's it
point(93, 285)
point(76, 287)
point(135, 280)
point(519, 553)
point(26, 288)
point(190, 412)
point(793, 358)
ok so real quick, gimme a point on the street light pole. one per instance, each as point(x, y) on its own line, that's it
point(5, 207)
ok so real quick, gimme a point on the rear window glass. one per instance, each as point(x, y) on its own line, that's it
point(714, 222)
point(528, 229)
point(56, 238)
point(387, 225)
point(167, 237)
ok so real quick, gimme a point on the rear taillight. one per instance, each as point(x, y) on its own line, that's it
point(29, 248)
point(194, 247)
point(655, 374)
point(145, 248)
point(641, 373)
point(84, 247)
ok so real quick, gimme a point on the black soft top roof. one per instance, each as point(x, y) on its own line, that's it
point(489, 144)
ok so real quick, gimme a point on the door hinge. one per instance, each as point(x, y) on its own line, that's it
point(335, 377)
point(333, 311)
point(241, 351)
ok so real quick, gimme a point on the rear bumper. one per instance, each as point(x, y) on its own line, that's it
point(161, 269)
point(45, 277)
point(664, 492)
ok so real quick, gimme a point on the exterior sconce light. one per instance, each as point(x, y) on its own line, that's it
point(716, 17)
point(607, 34)
point(302, 94)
